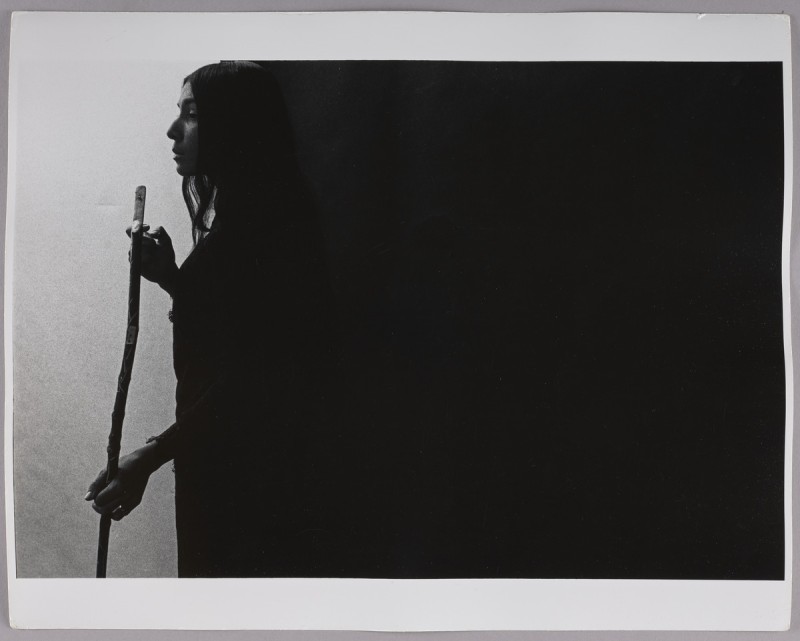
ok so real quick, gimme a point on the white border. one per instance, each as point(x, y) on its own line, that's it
point(8, 297)
point(786, 284)
point(390, 605)
point(400, 36)
point(399, 604)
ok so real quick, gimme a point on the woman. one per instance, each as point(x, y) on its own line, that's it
point(251, 340)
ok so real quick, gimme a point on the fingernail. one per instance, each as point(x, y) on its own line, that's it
point(88, 496)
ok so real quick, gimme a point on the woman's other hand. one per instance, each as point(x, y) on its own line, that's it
point(158, 257)
point(120, 497)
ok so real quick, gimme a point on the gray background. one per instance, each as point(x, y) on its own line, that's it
point(68, 247)
point(75, 167)
point(751, 6)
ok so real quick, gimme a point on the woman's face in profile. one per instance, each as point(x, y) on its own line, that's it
point(183, 132)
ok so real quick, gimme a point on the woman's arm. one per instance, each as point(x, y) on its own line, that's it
point(158, 258)
point(169, 281)
point(124, 493)
point(246, 290)
point(120, 497)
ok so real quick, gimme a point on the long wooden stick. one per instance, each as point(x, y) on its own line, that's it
point(118, 415)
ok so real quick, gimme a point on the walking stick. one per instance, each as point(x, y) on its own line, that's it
point(118, 415)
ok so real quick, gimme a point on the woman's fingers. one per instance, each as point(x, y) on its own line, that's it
point(160, 235)
point(108, 508)
point(156, 234)
point(124, 493)
point(145, 227)
point(149, 245)
point(149, 249)
point(116, 510)
point(110, 497)
point(156, 238)
point(125, 507)
point(120, 512)
point(119, 506)
point(96, 485)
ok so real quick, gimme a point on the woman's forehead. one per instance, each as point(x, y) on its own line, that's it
point(186, 94)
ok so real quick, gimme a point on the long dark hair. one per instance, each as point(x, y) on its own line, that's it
point(247, 172)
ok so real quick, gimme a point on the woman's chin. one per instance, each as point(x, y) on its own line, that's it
point(183, 165)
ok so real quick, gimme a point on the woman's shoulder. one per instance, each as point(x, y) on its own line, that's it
point(270, 246)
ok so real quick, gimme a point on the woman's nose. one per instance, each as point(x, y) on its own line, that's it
point(173, 133)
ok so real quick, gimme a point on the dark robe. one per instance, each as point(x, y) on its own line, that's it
point(252, 355)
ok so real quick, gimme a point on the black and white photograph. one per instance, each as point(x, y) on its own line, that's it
point(490, 316)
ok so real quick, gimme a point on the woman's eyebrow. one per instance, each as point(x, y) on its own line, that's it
point(191, 101)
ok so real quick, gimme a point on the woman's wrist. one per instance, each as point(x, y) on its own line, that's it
point(161, 448)
point(170, 280)
point(153, 455)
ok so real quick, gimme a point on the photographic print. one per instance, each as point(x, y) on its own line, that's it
point(477, 325)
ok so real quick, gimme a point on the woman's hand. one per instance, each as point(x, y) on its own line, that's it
point(120, 497)
point(158, 257)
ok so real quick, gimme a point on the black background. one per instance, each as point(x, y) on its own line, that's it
point(559, 291)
